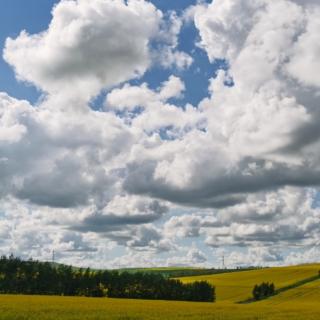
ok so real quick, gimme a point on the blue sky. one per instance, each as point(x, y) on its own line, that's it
point(178, 166)
point(34, 17)
point(16, 15)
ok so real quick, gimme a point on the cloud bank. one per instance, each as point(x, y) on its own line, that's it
point(145, 174)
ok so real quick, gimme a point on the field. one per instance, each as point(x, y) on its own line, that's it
point(298, 303)
point(175, 272)
point(237, 286)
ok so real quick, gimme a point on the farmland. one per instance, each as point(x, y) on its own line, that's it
point(237, 286)
point(181, 272)
point(230, 288)
point(49, 308)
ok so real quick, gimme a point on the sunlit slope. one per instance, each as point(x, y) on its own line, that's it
point(238, 286)
point(308, 293)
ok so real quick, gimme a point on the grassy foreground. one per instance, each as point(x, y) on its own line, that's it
point(78, 308)
point(298, 303)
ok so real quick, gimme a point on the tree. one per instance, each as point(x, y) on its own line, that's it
point(264, 290)
point(33, 277)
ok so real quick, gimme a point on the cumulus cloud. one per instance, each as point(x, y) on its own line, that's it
point(286, 218)
point(304, 65)
point(193, 256)
point(258, 256)
point(122, 211)
point(166, 52)
point(190, 225)
point(57, 158)
point(150, 111)
point(87, 45)
point(246, 157)
point(249, 125)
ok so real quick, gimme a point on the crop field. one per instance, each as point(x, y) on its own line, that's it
point(237, 286)
point(297, 303)
point(308, 293)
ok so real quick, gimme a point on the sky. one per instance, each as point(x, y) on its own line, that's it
point(160, 133)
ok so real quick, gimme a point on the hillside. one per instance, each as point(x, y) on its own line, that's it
point(176, 272)
point(293, 304)
point(308, 293)
point(237, 286)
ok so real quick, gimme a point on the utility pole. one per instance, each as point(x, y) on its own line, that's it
point(53, 256)
point(223, 265)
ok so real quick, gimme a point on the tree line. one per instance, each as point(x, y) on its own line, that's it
point(186, 272)
point(34, 277)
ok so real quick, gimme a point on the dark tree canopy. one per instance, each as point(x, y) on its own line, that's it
point(263, 290)
point(33, 277)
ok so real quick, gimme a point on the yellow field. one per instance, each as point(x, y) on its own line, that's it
point(298, 303)
point(237, 286)
point(308, 293)
point(77, 308)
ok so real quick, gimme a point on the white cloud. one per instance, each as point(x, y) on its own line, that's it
point(223, 26)
point(157, 113)
point(287, 219)
point(168, 55)
point(257, 256)
point(311, 255)
point(193, 256)
point(11, 130)
point(89, 45)
point(243, 156)
point(121, 212)
point(171, 88)
point(250, 126)
point(190, 225)
point(304, 65)
point(59, 158)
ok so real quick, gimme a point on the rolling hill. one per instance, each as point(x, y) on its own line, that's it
point(308, 293)
point(237, 286)
point(296, 303)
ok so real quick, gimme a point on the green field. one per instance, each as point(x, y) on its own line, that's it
point(175, 272)
point(298, 303)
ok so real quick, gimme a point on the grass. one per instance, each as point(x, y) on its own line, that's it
point(297, 303)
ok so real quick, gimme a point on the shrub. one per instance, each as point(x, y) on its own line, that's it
point(263, 290)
